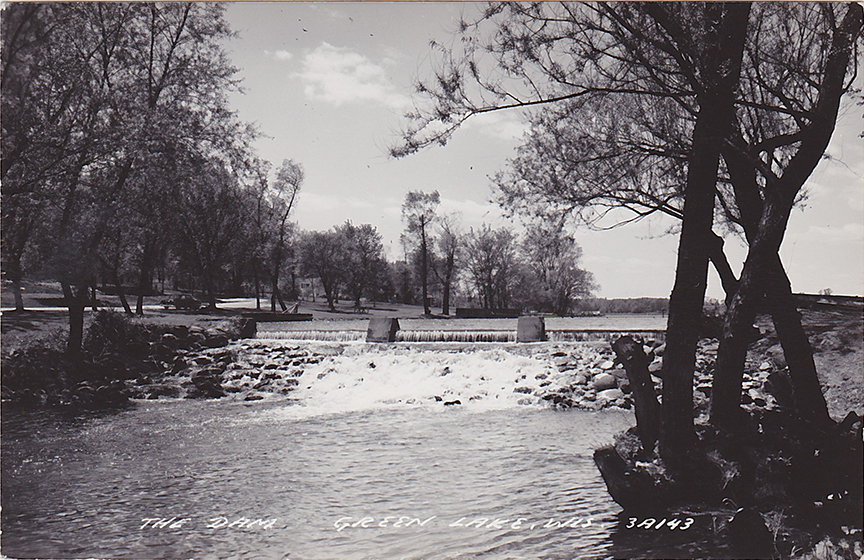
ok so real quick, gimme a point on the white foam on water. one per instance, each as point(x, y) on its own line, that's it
point(360, 379)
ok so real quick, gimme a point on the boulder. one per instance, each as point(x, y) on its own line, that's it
point(604, 381)
point(610, 394)
point(169, 340)
point(216, 340)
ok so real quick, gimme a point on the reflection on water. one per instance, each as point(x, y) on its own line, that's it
point(251, 480)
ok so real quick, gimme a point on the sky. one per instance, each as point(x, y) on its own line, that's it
point(328, 84)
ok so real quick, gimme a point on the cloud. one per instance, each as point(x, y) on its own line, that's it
point(502, 125)
point(341, 76)
point(280, 55)
point(850, 232)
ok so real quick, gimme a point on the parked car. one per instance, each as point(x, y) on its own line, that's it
point(184, 301)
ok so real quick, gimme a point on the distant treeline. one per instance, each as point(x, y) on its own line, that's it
point(623, 305)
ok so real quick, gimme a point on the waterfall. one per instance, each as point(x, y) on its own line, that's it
point(456, 336)
point(324, 336)
point(466, 336)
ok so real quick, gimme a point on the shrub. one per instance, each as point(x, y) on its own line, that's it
point(115, 333)
point(38, 367)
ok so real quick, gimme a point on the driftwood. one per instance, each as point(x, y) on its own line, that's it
point(634, 490)
point(635, 361)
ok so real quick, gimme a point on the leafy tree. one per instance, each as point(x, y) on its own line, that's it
point(449, 246)
point(553, 259)
point(491, 263)
point(209, 206)
point(289, 178)
point(364, 262)
point(418, 212)
point(95, 94)
point(323, 255)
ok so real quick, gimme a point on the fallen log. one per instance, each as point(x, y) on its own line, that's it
point(635, 361)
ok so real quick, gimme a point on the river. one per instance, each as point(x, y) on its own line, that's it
point(349, 466)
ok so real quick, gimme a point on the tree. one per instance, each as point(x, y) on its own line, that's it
point(449, 246)
point(692, 72)
point(364, 260)
point(418, 212)
point(289, 178)
point(95, 93)
point(323, 255)
point(553, 259)
point(209, 206)
point(492, 265)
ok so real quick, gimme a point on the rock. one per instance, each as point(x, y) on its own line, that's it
point(604, 381)
point(205, 387)
point(216, 341)
point(610, 394)
point(608, 364)
point(179, 331)
point(659, 350)
point(169, 340)
point(656, 366)
point(580, 379)
point(452, 403)
point(525, 390)
point(764, 366)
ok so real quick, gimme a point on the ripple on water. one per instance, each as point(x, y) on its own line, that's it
point(206, 461)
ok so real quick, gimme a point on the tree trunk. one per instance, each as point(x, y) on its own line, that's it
point(16, 291)
point(75, 304)
point(720, 76)
point(729, 369)
point(424, 272)
point(781, 304)
point(688, 294)
point(721, 265)
point(144, 283)
point(445, 299)
point(257, 286)
point(807, 392)
point(121, 293)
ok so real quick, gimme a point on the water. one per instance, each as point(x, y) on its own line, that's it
point(362, 459)
point(76, 487)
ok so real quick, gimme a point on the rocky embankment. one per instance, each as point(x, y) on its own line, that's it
point(581, 375)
